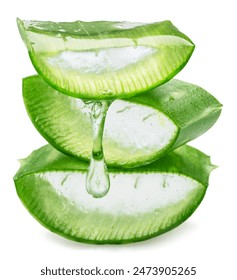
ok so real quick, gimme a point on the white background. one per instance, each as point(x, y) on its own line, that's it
point(208, 239)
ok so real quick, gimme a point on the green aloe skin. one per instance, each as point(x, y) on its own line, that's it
point(129, 120)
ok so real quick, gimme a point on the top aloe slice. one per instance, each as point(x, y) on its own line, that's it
point(101, 60)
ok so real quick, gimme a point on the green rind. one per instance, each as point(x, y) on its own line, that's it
point(191, 108)
point(173, 54)
point(184, 160)
point(62, 217)
point(99, 29)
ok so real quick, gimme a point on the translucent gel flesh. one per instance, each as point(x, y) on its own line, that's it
point(100, 61)
point(97, 178)
point(130, 193)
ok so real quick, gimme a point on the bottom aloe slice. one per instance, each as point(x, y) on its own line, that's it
point(142, 203)
point(137, 130)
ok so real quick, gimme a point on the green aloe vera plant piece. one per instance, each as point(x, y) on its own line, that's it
point(137, 130)
point(101, 60)
point(142, 203)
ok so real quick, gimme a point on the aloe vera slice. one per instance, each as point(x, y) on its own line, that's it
point(137, 130)
point(142, 202)
point(98, 60)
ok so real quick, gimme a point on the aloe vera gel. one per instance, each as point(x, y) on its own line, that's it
point(97, 178)
point(105, 98)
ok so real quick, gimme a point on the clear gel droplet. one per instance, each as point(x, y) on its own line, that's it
point(97, 177)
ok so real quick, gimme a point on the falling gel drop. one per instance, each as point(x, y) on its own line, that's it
point(97, 177)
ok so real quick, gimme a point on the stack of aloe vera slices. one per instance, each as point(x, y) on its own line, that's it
point(156, 182)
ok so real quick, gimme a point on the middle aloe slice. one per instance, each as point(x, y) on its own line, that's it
point(137, 130)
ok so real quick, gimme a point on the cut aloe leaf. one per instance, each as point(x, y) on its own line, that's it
point(98, 60)
point(142, 202)
point(137, 130)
